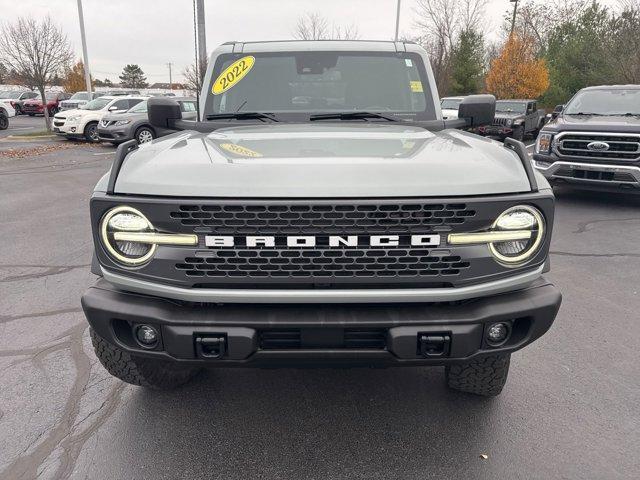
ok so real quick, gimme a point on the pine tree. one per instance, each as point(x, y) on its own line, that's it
point(133, 77)
point(467, 64)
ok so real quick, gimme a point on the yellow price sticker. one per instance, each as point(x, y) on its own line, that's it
point(240, 150)
point(231, 75)
point(416, 86)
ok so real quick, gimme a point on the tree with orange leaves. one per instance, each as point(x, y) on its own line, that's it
point(516, 72)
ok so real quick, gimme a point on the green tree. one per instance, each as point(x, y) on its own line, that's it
point(133, 77)
point(467, 64)
point(579, 53)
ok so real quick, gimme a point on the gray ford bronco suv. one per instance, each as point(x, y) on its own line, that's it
point(320, 212)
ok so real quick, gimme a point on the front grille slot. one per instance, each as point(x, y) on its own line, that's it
point(321, 219)
point(595, 175)
point(500, 121)
point(621, 147)
point(317, 263)
point(348, 338)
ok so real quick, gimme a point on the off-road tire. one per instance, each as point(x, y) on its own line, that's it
point(485, 376)
point(155, 374)
point(87, 132)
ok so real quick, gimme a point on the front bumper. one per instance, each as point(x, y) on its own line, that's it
point(320, 334)
point(67, 129)
point(115, 135)
point(596, 176)
point(33, 109)
point(495, 130)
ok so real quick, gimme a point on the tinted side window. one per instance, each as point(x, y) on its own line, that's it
point(121, 105)
point(133, 102)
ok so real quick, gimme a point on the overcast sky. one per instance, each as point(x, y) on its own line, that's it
point(151, 33)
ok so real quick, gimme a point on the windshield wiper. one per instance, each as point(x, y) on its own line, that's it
point(628, 114)
point(590, 114)
point(243, 116)
point(351, 116)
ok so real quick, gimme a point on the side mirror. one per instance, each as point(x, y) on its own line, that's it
point(113, 108)
point(557, 111)
point(163, 112)
point(478, 110)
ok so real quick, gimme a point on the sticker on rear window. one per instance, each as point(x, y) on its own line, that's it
point(416, 86)
point(239, 150)
point(231, 75)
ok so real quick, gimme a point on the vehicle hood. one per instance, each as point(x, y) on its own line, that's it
point(509, 115)
point(595, 123)
point(322, 161)
point(70, 113)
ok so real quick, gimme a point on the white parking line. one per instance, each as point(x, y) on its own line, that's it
point(531, 146)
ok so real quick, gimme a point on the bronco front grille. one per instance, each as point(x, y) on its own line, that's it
point(322, 219)
point(620, 147)
point(321, 262)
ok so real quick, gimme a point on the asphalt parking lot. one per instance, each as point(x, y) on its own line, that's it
point(569, 410)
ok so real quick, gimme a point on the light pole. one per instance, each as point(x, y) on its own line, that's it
point(397, 20)
point(515, 9)
point(169, 64)
point(85, 55)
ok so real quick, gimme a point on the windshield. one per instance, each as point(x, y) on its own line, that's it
point(315, 82)
point(97, 104)
point(50, 96)
point(139, 108)
point(10, 94)
point(605, 102)
point(80, 96)
point(450, 103)
point(511, 107)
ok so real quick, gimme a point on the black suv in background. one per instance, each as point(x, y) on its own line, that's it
point(594, 141)
point(515, 119)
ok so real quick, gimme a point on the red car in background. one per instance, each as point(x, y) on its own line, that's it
point(34, 106)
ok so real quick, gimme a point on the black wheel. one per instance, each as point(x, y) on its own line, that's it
point(32, 114)
point(156, 374)
point(485, 376)
point(518, 134)
point(53, 111)
point(4, 121)
point(18, 110)
point(144, 135)
point(91, 132)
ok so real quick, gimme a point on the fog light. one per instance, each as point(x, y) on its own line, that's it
point(147, 336)
point(497, 333)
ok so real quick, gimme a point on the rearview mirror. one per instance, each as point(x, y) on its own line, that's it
point(163, 112)
point(477, 110)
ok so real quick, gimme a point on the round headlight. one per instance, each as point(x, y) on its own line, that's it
point(126, 219)
point(520, 217)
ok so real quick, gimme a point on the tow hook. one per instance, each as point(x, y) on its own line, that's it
point(212, 347)
point(430, 346)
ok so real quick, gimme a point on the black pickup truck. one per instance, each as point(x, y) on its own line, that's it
point(594, 141)
point(515, 119)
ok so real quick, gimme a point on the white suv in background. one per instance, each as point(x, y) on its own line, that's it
point(83, 122)
point(449, 106)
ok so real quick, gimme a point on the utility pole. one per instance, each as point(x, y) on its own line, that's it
point(85, 55)
point(202, 36)
point(398, 20)
point(513, 20)
point(169, 64)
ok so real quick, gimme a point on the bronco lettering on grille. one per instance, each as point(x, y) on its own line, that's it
point(381, 241)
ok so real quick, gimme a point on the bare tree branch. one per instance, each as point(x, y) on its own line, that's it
point(38, 51)
point(314, 26)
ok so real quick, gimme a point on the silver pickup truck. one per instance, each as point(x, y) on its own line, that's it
point(320, 212)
